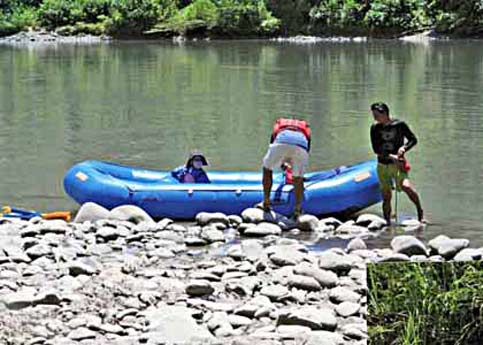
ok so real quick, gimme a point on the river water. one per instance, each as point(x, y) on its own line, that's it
point(148, 104)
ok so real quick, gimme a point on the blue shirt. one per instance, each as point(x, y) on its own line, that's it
point(199, 175)
point(292, 138)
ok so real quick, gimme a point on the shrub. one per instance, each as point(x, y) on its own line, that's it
point(133, 16)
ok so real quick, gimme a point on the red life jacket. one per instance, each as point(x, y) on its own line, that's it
point(288, 176)
point(292, 124)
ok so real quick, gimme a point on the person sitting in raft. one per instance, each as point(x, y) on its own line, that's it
point(193, 171)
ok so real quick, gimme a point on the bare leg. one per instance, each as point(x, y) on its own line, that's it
point(267, 187)
point(386, 205)
point(414, 197)
point(299, 194)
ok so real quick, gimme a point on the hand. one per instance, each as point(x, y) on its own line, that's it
point(401, 152)
point(395, 158)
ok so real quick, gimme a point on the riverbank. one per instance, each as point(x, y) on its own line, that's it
point(43, 37)
point(224, 280)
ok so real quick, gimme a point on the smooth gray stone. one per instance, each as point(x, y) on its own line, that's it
point(263, 229)
point(210, 234)
point(174, 324)
point(339, 263)
point(330, 221)
point(199, 288)
point(346, 309)
point(356, 244)
point(396, 257)
point(286, 255)
point(108, 233)
point(469, 254)
point(408, 245)
point(367, 218)
point(307, 222)
point(315, 318)
point(304, 283)
point(447, 247)
point(326, 279)
point(274, 292)
point(91, 211)
point(204, 218)
point(77, 267)
point(82, 333)
point(239, 321)
point(131, 213)
point(38, 251)
point(342, 294)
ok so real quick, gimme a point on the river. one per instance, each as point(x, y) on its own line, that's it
point(149, 103)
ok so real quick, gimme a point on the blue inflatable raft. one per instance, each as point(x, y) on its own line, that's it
point(345, 189)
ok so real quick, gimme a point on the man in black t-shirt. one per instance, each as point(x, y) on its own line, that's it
point(391, 139)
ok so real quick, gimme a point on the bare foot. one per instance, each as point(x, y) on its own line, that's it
point(263, 206)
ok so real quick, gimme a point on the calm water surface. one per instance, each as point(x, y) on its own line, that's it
point(148, 104)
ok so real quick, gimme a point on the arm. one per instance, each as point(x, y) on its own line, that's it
point(375, 142)
point(409, 135)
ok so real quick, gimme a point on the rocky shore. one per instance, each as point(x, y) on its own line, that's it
point(42, 37)
point(119, 277)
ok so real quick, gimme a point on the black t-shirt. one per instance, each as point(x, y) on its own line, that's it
point(387, 139)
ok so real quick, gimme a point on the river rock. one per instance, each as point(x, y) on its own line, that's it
point(108, 233)
point(326, 279)
point(342, 294)
point(77, 267)
point(346, 309)
point(330, 221)
point(367, 219)
point(333, 261)
point(204, 218)
point(210, 234)
point(174, 324)
point(263, 229)
point(312, 317)
point(91, 211)
point(38, 251)
point(274, 292)
point(356, 244)
point(304, 283)
point(447, 247)
point(307, 222)
point(256, 215)
point(408, 245)
point(19, 300)
point(131, 213)
point(469, 254)
point(286, 255)
point(81, 333)
point(394, 257)
point(199, 288)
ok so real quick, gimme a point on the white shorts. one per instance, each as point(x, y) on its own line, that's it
point(277, 154)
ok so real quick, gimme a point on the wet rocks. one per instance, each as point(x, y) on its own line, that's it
point(408, 245)
point(447, 247)
point(312, 317)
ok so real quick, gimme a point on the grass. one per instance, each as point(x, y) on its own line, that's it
point(425, 303)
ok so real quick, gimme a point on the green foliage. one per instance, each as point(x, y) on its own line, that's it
point(23, 17)
point(133, 16)
point(434, 303)
point(221, 17)
point(246, 18)
point(294, 14)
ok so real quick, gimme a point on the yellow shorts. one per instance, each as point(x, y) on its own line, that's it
point(388, 173)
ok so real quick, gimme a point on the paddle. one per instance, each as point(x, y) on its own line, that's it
point(14, 212)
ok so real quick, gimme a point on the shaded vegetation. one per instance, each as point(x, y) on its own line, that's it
point(244, 17)
point(426, 303)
